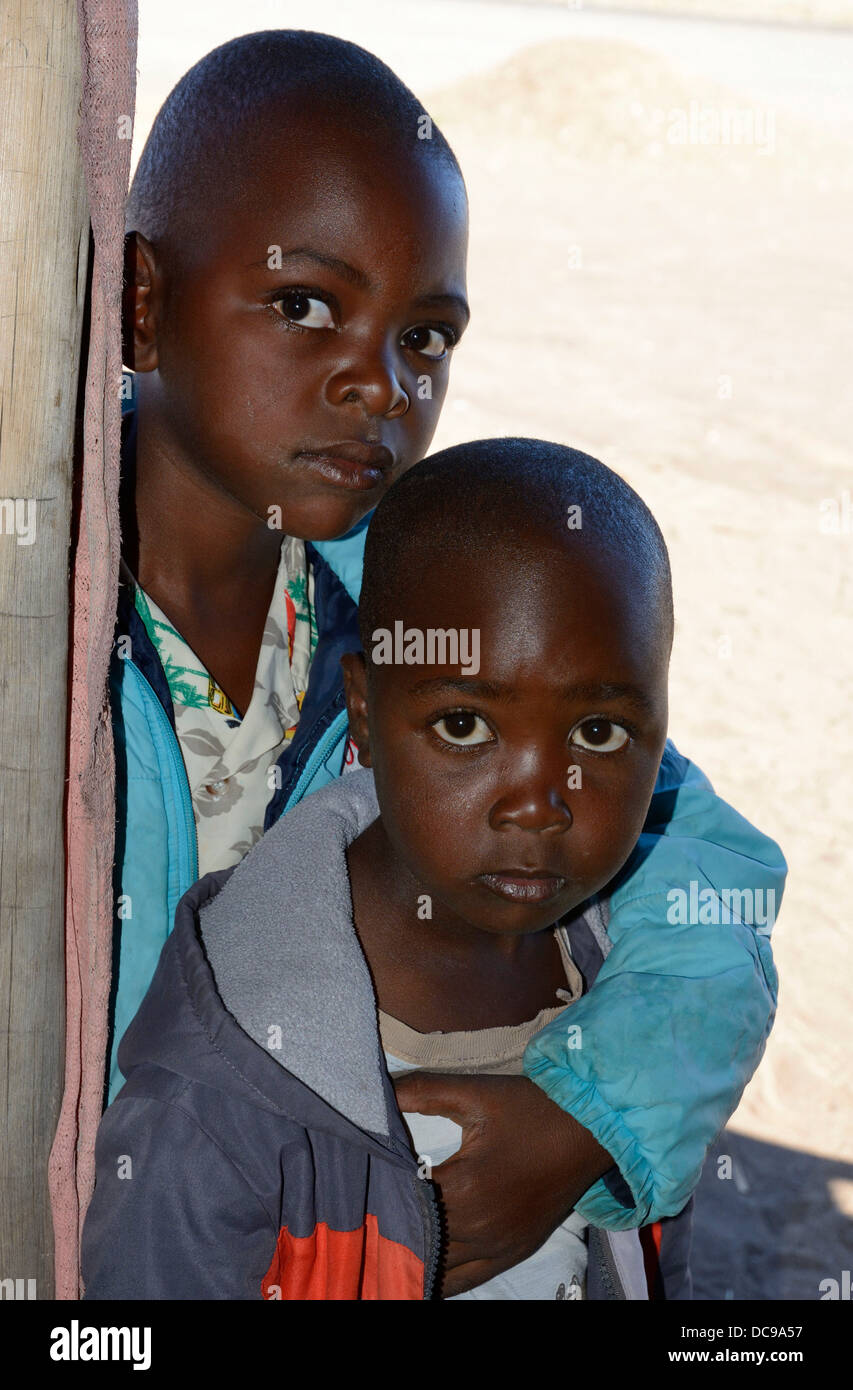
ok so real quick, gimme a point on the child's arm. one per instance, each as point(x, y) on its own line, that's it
point(523, 1165)
point(677, 1020)
point(171, 1217)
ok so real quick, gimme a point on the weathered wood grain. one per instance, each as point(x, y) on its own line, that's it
point(43, 253)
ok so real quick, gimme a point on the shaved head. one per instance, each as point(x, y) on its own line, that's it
point(218, 124)
point(525, 503)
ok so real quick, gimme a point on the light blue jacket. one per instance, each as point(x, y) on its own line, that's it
point(680, 1013)
point(677, 1020)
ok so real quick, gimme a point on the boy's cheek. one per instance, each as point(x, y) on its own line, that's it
point(424, 414)
point(605, 829)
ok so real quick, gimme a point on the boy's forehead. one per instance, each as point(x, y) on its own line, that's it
point(545, 610)
point(313, 162)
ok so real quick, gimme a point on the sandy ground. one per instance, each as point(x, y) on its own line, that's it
point(837, 13)
point(683, 311)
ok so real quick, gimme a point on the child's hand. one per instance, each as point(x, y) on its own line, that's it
point(522, 1166)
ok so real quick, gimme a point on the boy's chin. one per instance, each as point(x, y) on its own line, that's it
point(322, 523)
point(507, 918)
point(502, 918)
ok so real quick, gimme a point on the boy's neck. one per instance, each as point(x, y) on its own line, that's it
point(438, 972)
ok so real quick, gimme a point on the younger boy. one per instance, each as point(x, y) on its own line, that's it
point(511, 702)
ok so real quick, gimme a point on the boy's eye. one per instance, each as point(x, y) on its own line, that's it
point(463, 728)
point(301, 308)
point(599, 735)
point(431, 342)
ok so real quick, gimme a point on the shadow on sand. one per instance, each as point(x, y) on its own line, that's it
point(768, 1223)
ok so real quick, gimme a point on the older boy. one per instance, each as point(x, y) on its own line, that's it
point(299, 285)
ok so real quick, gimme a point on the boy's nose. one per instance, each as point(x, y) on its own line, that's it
point(535, 804)
point(373, 385)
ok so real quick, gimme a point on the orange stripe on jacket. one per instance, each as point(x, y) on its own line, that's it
point(650, 1238)
point(359, 1264)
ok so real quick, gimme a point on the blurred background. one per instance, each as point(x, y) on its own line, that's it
point(660, 274)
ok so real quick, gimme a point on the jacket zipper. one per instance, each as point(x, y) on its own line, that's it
point(180, 774)
point(317, 757)
point(432, 1232)
point(610, 1277)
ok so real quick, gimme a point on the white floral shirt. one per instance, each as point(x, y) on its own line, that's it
point(230, 760)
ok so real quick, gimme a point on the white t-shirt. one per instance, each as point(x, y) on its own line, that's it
point(557, 1270)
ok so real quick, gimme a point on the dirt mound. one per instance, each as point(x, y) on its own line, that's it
point(594, 97)
point(605, 102)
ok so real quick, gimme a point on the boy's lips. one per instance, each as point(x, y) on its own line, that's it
point(350, 463)
point(524, 885)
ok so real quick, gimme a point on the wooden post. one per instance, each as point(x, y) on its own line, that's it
point(44, 240)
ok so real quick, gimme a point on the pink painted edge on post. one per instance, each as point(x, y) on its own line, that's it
point(108, 36)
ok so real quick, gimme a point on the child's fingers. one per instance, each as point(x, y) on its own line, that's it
point(463, 1273)
point(430, 1093)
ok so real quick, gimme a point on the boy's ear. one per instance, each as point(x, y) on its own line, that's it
point(139, 321)
point(354, 668)
point(128, 300)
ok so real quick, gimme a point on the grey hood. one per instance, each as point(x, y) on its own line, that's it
point(292, 972)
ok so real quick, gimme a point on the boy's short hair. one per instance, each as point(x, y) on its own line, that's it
point(465, 500)
point(201, 122)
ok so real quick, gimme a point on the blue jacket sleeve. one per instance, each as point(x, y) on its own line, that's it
point(664, 1043)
